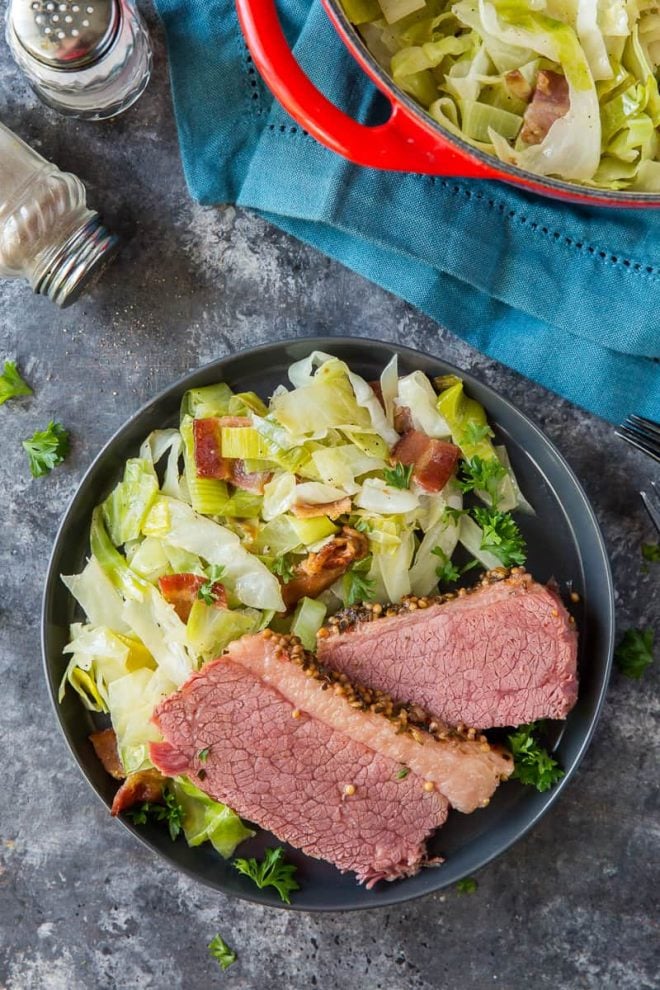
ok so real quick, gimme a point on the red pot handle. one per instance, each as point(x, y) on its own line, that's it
point(402, 143)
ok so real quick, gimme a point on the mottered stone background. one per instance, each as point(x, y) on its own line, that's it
point(83, 906)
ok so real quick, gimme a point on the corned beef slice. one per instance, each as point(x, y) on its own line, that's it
point(298, 760)
point(502, 654)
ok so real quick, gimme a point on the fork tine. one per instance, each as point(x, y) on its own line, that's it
point(640, 441)
point(652, 506)
point(645, 424)
point(643, 433)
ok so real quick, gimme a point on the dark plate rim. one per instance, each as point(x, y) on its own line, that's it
point(394, 894)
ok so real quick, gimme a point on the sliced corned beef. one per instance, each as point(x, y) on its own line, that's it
point(502, 654)
point(305, 755)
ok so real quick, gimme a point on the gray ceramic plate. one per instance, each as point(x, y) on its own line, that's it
point(564, 542)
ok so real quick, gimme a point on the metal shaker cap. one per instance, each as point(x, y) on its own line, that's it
point(65, 34)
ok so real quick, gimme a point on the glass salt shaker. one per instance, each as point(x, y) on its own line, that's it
point(84, 58)
point(47, 234)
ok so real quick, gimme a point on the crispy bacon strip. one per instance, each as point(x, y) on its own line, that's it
point(143, 785)
point(249, 481)
point(433, 460)
point(181, 590)
point(105, 747)
point(550, 102)
point(319, 570)
point(331, 509)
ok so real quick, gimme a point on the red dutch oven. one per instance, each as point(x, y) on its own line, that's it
point(410, 140)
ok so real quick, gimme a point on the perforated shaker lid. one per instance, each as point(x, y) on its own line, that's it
point(65, 34)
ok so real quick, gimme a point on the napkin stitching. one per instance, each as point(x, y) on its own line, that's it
point(646, 271)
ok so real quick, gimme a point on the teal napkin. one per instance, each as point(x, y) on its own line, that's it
point(567, 295)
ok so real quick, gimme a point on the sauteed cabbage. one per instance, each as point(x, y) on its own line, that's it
point(561, 88)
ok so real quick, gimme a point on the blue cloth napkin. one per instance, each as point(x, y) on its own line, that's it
point(568, 296)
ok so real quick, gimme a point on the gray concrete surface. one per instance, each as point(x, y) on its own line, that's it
point(82, 905)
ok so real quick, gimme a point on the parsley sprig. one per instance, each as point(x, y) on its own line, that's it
point(220, 951)
point(272, 871)
point(206, 592)
point(635, 652)
point(399, 476)
point(447, 572)
point(169, 811)
point(284, 567)
point(11, 383)
point(46, 448)
point(479, 475)
point(651, 552)
point(501, 536)
point(357, 586)
point(533, 764)
point(467, 885)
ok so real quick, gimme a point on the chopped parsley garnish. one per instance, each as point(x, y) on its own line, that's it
point(284, 567)
point(206, 593)
point(447, 572)
point(651, 552)
point(402, 773)
point(223, 955)
point(46, 449)
point(11, 383)
point(533, 764)
point(635, 652)
point(169, 811)
point(203, 754)
point(399, 476)
point(501, 536)
point(453, 514)
point(479, 475)
point(356, 585)
point(474, 432)
point(467, 885)
point(272, 871)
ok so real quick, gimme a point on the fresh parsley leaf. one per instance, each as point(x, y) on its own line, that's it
point(284, 567)
point(501, 536)
point(479, 475)
point(467, 885)
point(11, 383)
point(402, 773)
point(206, 593)
point(221, 952)
point(635, 652)
point(453, 514)
point(169, 811)
point(533, 764)
point(651, 552)
point(272, 871)
point(474, 432)
point(399, 476)
point(46, 449)
point(203, 754)
point(447, 572)
point(357, 586)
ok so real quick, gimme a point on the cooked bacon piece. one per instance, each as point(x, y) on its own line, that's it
point(105, 747)
point(143, 785)
point(319, 570)
point(209, 461)
point(249, 481)
point(517, 85)
point(181, 590)
point(403, 421)
point(550, 102)
point(434, 460)
point(331, 509)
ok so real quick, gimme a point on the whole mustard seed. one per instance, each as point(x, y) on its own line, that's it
point(429, 786)
point(349, 790)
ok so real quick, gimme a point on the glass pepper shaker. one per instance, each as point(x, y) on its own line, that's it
point(47, 234)
point(84, 58)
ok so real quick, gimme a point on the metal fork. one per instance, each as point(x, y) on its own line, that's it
point(652, 502)
point(643, 434)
